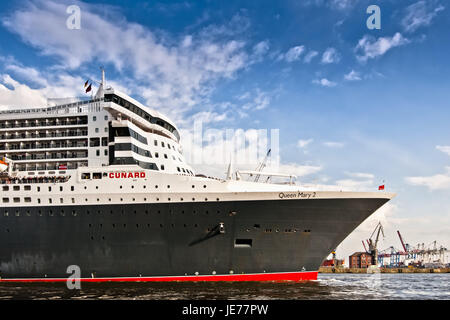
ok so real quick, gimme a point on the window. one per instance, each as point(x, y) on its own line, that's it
point(94, 118)
point(162, 144)
point(16, 188)
point(97, 153)
point(106, 117)
point(162, 168)
point(27, 188)
point(5, 188)
point(165, 155)
point(96, 130)
point(243, 243)
point(156, 143)
point(106, 129)
point(5, 200)
point(156, 155)
point(106, 152)
point(94, 142)
point(97, 175)
point(85, 175)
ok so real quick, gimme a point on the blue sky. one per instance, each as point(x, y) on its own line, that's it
point(353, 106)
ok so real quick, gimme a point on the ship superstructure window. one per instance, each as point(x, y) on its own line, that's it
point(137, 136)
point(85, 175)
point(143, 114)
point(94, 142)
point(96, 175)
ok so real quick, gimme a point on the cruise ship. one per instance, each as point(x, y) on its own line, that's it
point(102, 184)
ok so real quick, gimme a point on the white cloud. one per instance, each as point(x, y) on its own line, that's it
point(324, 82)
point(296, 169)
point(445, 149)
point(330, 56)
point(209, 116)
point(14, 94)
point(370, 48)
point(310, 55)
point(355, 185)
point(333, 144)
point(260, 101)
point(304, 143)
point(170, 73)
point(293, 54)
point(260, 49)
point(352, 76)
point(435, 182)
point(420, 14)
point(361, 175)
point(333, 4)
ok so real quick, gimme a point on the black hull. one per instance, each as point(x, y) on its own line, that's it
point(176, 239)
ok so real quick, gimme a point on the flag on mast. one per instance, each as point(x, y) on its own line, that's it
point(3, 165)
point(89, 88)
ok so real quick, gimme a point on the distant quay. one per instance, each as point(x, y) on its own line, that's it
point(384, 270)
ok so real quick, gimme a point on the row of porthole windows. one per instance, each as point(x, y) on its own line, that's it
point(287, 230)
point(148, 225)
point(61, 200)
point(17, 213)
point(72, 188)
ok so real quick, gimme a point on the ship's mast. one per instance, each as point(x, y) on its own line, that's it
point(100, 90)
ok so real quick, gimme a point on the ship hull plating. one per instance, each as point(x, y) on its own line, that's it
point(144, 241)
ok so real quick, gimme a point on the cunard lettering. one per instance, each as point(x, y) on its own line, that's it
point(126, 175)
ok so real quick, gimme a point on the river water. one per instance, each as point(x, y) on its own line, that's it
point(328, 286)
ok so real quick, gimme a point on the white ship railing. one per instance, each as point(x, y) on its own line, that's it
point(69, 108)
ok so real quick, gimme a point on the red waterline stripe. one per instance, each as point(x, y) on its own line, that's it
point(284, 276)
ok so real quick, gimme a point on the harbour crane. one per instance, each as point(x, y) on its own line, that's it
point(262, 165)
point(373, 243)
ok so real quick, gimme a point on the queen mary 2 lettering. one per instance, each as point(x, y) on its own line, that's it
point(103, 184)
